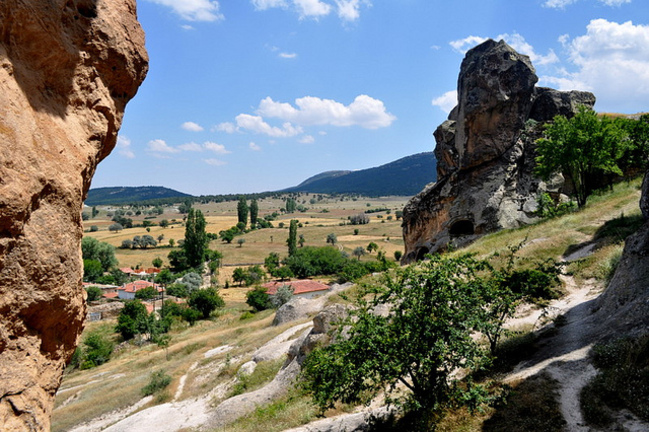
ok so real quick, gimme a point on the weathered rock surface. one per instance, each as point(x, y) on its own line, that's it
point(485, 153)
point(67, 70)
point(623, 308)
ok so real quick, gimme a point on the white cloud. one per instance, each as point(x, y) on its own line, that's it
point(307, 139)
point(258, 125)
point(288, 55)
point(612, 60)
point(214, 162)
point(192, 147)
point(187, 27)
point(365, 111)
point(312, 8)
point(160, 146)
point(515, 40)
point(192, 127)
point(349, 10)
point(447, 101)
point(226, 127)
point(561, 4)
point(216, 148)
point(267, 4)
point(254, 147)
point(193, 10)
point(124, 147)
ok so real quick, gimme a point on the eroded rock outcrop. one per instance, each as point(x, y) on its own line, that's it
point(485, 153)
point(67, 70)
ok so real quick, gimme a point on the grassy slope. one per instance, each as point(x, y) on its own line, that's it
point(117, 384)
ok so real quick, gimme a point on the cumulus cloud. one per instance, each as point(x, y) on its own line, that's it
point(124, 147)
point(160, 146)
point(287, 55)
point(192, 147)
point(311, 8)
point(214, 162)
point(307, 139)
point(347, 10)
point(216, 148)
point(515, 40)
point(193, 10)
point(192, 127)
point(267, 4)
point(258, 125)
point(561, 4)
point(254, 147)
point(447, 101)
point(365, 111)
point(612, 60)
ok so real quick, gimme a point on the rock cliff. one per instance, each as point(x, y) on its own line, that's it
point(485, 153)
point(67, 70)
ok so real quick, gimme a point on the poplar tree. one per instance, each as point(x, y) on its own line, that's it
point(254, 213)
point(196, 239)
point(292, 238)
point(242, 211)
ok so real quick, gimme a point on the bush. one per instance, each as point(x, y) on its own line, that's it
point(98, 349)
point(178, 290)
point(159, 380)
point(283, 295)
point(94, 293)
point(205, 301)
point(132, 319)
point(258, 299)
point(147, 293)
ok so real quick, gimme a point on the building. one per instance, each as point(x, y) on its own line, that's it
point(127, 291)
point(301, 288)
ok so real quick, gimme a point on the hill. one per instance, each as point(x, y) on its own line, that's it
point(404, 177)
point(124, 195)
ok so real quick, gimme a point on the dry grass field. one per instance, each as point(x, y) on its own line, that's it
point(322, 218)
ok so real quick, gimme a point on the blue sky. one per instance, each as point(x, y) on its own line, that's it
point(258, 95)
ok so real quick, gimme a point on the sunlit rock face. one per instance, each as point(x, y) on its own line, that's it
point(67, 70)
point(485, 153)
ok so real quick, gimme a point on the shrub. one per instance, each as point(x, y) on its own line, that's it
point(158, 381)
point(98, 349)
point(283, 295)
point(205, 301)
point(258, 299)
point(94, 293)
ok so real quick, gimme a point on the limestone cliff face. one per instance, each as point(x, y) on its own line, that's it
point(67, 70)
point(485, 153)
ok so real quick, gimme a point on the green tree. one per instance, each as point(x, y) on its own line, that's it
point(148, 293)
point(283, 295)
point(95, 212)
point(254, 213)
point(205, 301)
point(420, 343)
point(291, 205)
point(332, 239)
point(97, 350)
point(583, 148)
point(196, 240)
point(241, 241)
point(93, 249)
point(94, 228)
point(94, 293)
point(157, 262)
point(258, 299)
point(164, 223)
point(242, 211)
point(301, 240)
point(239, 275)
point(292, 238)
point(372, 247)
point(358, 252)
point(271, 262)
point(92, 270)
point(165, 276)
point(132, 319)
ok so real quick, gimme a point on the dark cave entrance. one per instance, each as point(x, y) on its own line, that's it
point(462, 228)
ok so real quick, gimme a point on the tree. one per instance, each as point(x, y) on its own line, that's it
point(372, 247)
point(254, 213)
point(94, 293)
point(332, 239)
point(301, 240)
point(164, 223)
point(242, 211)
point(239, 275)
point(271, 262)
point(148, 293)
point(92, 270)
point(283, 295)
point(358, 252)
point(241, 241)
point(157, 262)
point(292, 238)
point(164, 277)
point(583, 148)
point(205, 301)
point(193, 281)
point(258, 299)
point(93, 249)
point(420, 343)
point(95, 212)
point(132, 319)
point(196, 239)
point(147, 241)
point(178, 260)
point(94, 228)
point(359, 219)
point(291, 205)
point(227, 235)
point(97, 350)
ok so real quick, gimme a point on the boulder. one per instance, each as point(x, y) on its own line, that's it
point(67, 70)
point(486, 153)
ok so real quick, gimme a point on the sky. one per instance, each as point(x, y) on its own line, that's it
point(247, 96)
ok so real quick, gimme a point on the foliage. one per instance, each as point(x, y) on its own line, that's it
point(94, 228)
point(549, 208)
point(397, 255)
point(157, 262)
point(205, 301)
point(92, 270)
point(358, 252)
point(332, 239)
point(292, 238)
point(148, 293)
point(94, 293)
point(258, 299)
point(248, 276)
point(359, 219)
point(93, 249)
point(311, 261)
point(283, 295)
point(425, 338)
point(583, 148)
point(178, 260)
point(159, 380)
point(164, 277)
point(97, 350)
point(622, 381)
point(132, 319)
point(371, 247)
point(192, 281)
point(254, 213)
point(116, 227)
point(242, 211)
point(196, 241)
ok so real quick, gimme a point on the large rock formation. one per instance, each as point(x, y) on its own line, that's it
point(67, 70)
point(485, 153)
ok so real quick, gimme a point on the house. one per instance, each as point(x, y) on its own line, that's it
point(301, 288)
point(127, 291)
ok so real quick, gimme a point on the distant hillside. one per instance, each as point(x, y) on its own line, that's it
point(125, 195)
point(404, 177)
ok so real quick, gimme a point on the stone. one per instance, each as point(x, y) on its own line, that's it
point(486, 153)
point(67, 70)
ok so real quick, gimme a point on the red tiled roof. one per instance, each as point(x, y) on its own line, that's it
point(110, 295)
point(138, 285)
point(127, 270)
point(299, 286)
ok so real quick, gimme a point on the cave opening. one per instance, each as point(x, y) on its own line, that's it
point(462, 228)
